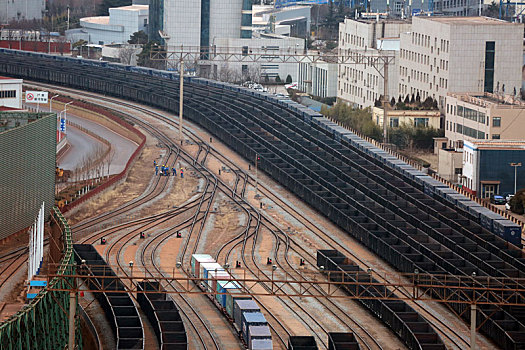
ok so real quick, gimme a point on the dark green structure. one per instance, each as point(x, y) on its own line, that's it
point(156, 19)
point(27, 168)
point(43, 324)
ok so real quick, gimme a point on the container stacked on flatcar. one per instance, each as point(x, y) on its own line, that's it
point(241, 310)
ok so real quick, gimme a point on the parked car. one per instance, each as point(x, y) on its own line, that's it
point(497, 199)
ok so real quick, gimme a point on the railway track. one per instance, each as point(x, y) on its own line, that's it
point(370, 338)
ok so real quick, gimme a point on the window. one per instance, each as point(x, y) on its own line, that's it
point(145, 22)
point(496, 122)
point(420, 122)
point(394, 122)
point(495, 136)
point(8, 94)
point(490, 51)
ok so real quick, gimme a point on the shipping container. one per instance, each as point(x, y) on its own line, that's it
point(196, 260)
point(233, 294)
point(241, 306)
point(258, 332)
point(225, 287)
point(210, 266)
point(216, 276)
point(251, 319)
point(508, 230)
point(262, 344)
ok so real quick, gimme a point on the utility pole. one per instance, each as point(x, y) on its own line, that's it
point(72, 313)
point(181, 96)
point(515, 165)
point(473, 310)
point(385, 102)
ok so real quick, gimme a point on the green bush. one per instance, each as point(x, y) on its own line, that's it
point(288, 79)
point(517, 203)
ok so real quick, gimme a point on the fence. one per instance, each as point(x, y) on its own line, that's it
point(43, 323)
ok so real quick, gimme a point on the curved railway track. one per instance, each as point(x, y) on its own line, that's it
point(242, 181)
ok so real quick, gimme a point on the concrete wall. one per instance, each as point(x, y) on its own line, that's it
point(13, 10)
point(11, 85)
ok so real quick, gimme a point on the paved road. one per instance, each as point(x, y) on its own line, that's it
point(83, 145)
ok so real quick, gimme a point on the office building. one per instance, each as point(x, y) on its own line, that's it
point(116, 28)
point(360, 85)
point(318, 78)
point(460, 54)
point(493, 167)
point(10, 93)
point(484, 116)
point(19, 10)
point(200, 23)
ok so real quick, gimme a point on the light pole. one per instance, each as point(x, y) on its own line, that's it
point(51, 102)
point(515, 165)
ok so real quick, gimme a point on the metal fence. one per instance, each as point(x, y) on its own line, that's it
point(43, 323)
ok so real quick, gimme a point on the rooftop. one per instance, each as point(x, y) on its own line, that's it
point(8, 78)
point(499, 144)
point(488, 99)
point(468, 20)
point(132, 7)
point(97, 20)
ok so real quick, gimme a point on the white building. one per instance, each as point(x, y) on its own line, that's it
point(460, 54)
point(118, 26)
point(318, 78)
point(293, 20)
point(17, 10)
point(201, 23)
point(10, 93)
point(264, 68)
point(361, 85)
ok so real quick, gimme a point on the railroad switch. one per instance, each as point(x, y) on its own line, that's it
point(301, 262)
point(179, 235)
point(103, 241)
point(268, 261)
point(237, 264)
point(142, 235)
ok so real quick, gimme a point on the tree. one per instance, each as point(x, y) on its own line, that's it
point(105, 5)
point(288, 79)
point(418, 98)
point(413, 99)
point(139, 37)
point(144, 56)
point(125, 54)
point(393, 102)
point(266, 78)
point(407, 99)
point(354, 118)
point(517, 203)
point(277, 79)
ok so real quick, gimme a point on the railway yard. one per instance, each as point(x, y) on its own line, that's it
point(266, 197)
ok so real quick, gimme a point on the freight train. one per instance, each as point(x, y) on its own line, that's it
point(409, 220)
point(241, 310)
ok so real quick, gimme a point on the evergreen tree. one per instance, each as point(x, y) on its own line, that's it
point(288, 79)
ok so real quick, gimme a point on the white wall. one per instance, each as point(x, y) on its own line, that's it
point(9, 85)
point(28, 9)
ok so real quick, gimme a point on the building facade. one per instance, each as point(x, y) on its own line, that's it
point(459, 54)
point(263, 69)
point(318, 78)
point(27, 169)
point(201, 23)
point(10, 93)
point(487, 167)
point(116, 28)
point(485, 116)
point(396, 118)
point(17, 10)
point(360, 85)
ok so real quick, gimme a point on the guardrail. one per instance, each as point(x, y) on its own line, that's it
point(43, 323)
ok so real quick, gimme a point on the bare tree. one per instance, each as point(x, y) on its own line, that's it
point(254, 73)
point(126, 55)
point(109, 159)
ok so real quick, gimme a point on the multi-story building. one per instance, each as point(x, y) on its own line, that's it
point(10, 93)
point(17, 10)
point(396, 118)
point(263, 68)
point(459, 54)
point(361, 85)
point(118, 26)
point(200, 23)
point(493, 167)
point(404, 8)
point(318, 78)
point(484, 116)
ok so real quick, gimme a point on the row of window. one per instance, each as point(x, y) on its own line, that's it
point(425, 41)
point(473, 115)
point(418, 122)
point(352, 39)
point(8, 94)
